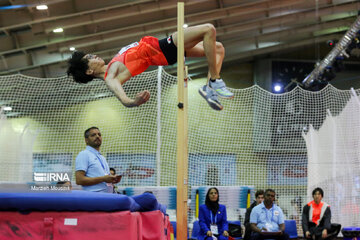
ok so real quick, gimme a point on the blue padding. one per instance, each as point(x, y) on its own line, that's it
point(148, 202)
point(77, 201)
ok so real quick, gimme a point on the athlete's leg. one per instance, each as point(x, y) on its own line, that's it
point(198, 51)
point(218, 85)
point(199, 41)
point(207, 34)
point(207, 93)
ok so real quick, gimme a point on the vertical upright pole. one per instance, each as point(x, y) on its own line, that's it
point(158, 123)
point(182, 129)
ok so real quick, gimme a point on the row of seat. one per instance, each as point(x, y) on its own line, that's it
point(290, 228)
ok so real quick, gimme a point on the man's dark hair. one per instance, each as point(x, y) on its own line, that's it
point(87, 131)
point(77, 66)
point(113, 169)
point(318, 190)
point(269, 190)
point(259, 192)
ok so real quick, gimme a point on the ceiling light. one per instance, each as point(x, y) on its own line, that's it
point(72, 48)
point(185, 25)
point(58, 30)
point(41, 7)
point(277, 88)
point(7, 108)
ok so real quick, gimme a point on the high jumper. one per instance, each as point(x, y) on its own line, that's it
point(199, 41)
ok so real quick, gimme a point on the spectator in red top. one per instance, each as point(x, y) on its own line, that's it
point(316, 218)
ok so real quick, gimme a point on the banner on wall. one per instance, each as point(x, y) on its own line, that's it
point(52, 162)
point(212, 169)
point(136, 169)
point(288, 169)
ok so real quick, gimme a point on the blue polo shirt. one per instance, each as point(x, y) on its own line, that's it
point(94, 165)
point(267, 218)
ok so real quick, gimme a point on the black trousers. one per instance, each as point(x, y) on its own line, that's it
point(332, 233)
point(259, 236)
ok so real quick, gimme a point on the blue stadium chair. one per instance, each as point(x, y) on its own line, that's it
point(173, 223)
point(237, 222)
point(290, 228)
point(196, 230)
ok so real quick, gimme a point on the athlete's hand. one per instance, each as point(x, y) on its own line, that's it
point(142, 97)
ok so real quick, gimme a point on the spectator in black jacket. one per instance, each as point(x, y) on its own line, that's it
point(259, 198)
point(316, 218)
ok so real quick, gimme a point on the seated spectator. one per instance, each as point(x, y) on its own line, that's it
point(267, 219)
point(113, 173)
point(294, 211)
point(212, 218)
point(316, 218)
point(259, 198)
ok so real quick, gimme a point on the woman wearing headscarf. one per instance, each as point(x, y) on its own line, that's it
point(212, 218)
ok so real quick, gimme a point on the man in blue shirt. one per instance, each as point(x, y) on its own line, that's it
point(267, 219)
point(92, 170)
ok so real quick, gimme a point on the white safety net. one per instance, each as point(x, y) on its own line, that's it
point(255, 141)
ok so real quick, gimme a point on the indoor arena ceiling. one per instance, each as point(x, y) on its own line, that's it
point(247, 28)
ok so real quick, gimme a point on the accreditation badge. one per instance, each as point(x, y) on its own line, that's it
point(214, 229)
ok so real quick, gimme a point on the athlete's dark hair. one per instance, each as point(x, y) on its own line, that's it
point(318, 190)
point(77, 66)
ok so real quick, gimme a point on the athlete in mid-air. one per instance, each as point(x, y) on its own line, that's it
point(135, 58)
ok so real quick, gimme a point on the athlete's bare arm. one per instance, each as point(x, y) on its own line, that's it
point(118, 74)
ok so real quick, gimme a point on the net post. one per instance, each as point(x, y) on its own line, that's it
point(182, 132)
point(158, 123)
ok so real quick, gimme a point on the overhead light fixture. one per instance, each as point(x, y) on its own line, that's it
point(58, 30)
point(185, 25)
point(7, 108)
point(277, 88)
point(41, 7)
point(72, 48)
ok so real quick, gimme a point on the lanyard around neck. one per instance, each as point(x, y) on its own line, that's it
point(211, 217)
point(97, 156)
